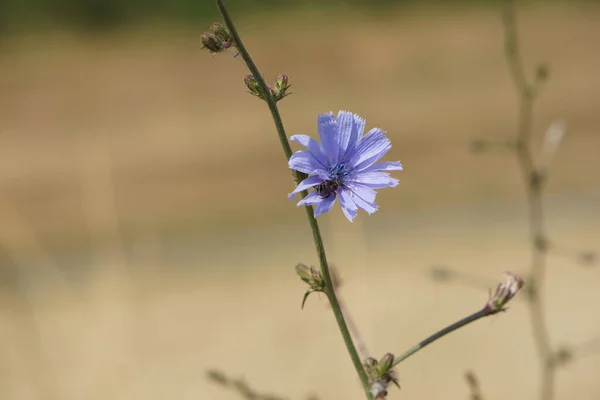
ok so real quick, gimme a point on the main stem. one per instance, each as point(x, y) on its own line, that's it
point(534, 182)
point(329, 289)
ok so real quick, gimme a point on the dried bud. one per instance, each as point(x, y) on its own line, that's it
point(280, 88)
point(253, 86)
point(222, 34)
point(211, 43)
point(505, 291)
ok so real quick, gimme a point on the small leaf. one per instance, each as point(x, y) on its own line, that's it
point(309, 291)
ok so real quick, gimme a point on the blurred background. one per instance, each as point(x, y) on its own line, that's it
point(145, 233)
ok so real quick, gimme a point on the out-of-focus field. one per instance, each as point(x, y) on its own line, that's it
point(146, 235)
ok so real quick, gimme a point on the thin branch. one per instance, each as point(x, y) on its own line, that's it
point(439, 334)
point(504, 293)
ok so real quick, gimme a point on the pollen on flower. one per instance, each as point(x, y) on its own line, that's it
point(344, 165)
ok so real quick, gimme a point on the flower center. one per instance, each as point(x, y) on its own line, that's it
point(337, 175)
point(338, 172)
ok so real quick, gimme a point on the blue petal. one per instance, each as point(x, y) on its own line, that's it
point(311, 199)
point(371, 148)
point(358, 128)
point(325, 205)
point(323, 174)
point(351, 129)
point(348, 206)
point(365, 192)
point(304, 161)
point(369, 206)
point(328, 132)
point(305, 184)
point(384, 166)
point(313, 146)
point(375, 180)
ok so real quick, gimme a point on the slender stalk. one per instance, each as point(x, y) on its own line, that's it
point(439, 334)
point(329, 290)
point(534, 183)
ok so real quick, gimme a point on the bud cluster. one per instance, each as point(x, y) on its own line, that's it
point(277, 90)
point(380, 374)
point(218, 39)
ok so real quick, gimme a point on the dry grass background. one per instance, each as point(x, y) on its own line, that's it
point(146, 236)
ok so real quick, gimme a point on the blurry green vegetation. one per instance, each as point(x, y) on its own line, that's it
point(23, 15)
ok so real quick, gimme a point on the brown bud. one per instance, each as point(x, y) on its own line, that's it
point(222, 34)
point(211, 43)
point(505, 291)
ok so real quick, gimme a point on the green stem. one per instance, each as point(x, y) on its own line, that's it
point(329, 290)
point(439, 334)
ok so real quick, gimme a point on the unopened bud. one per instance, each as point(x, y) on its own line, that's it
point(505, 291)
point(211, 43)
point(253, 86)
point(385, 364)
point(222, 34)
point(313, 277)
point(380, 374)
point(304, 272)
point(370, 365)
point(280, 88)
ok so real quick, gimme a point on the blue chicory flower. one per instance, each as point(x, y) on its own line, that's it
point(343, 165)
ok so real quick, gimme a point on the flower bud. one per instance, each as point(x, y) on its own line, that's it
point(380, 374)
point(385, 364)
point(211, 43)
point(253, 86)
point(304, 272)
point(314, 279)
point(222, 34)
point(280, 88)
point(370, 365)
point(505, 291)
